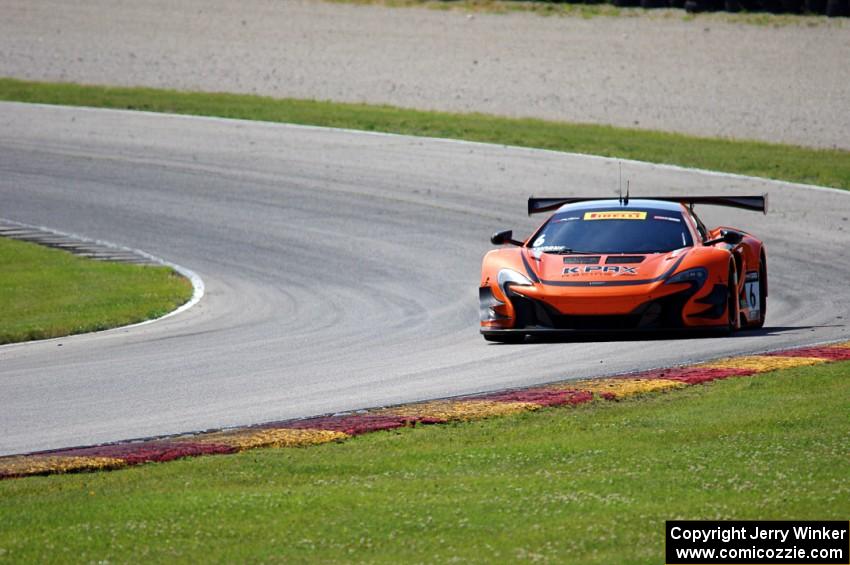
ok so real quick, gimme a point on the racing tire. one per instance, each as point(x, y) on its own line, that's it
point(505, 338)
point(732, 307)
point(762, 297)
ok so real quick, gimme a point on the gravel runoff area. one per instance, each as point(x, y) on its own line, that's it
point(787, 84)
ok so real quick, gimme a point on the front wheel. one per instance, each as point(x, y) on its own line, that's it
point(732, 309)
point(762, 296)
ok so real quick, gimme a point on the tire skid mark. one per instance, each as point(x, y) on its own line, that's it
point(339, 427)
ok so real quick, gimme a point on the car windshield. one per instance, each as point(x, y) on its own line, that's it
point(613, 231)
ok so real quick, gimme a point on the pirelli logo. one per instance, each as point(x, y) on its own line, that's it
point(615, 215)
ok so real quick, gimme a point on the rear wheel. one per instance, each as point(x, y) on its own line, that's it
point(762, 295)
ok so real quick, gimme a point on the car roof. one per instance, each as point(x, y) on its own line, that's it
point(615, 204)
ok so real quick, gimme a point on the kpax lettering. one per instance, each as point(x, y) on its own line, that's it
point(605, 270)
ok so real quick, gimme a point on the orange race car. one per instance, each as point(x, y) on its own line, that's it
point(620, 264)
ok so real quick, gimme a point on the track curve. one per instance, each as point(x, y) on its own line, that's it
point(340, 269)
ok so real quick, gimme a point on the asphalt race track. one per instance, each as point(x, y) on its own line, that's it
point(341, 269)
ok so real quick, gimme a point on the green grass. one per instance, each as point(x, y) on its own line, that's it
point(592, 484)
point(784, 162)
point(50, 293)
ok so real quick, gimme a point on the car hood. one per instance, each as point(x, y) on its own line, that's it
point(603, 269)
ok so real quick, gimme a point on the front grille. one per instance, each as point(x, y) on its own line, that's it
point(627, 322)
point(664, 313)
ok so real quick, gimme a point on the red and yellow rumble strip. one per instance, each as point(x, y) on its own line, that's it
point(324, 429)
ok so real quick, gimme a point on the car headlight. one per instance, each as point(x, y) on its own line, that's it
point(509, 276)
point(697, 275)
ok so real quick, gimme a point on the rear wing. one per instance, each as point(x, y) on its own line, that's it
point(755, 203)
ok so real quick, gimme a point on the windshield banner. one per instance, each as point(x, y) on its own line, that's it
point(615, 215)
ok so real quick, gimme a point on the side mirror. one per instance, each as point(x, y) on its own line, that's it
point(732, 237)
point(506, 236)
point(727, 236)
